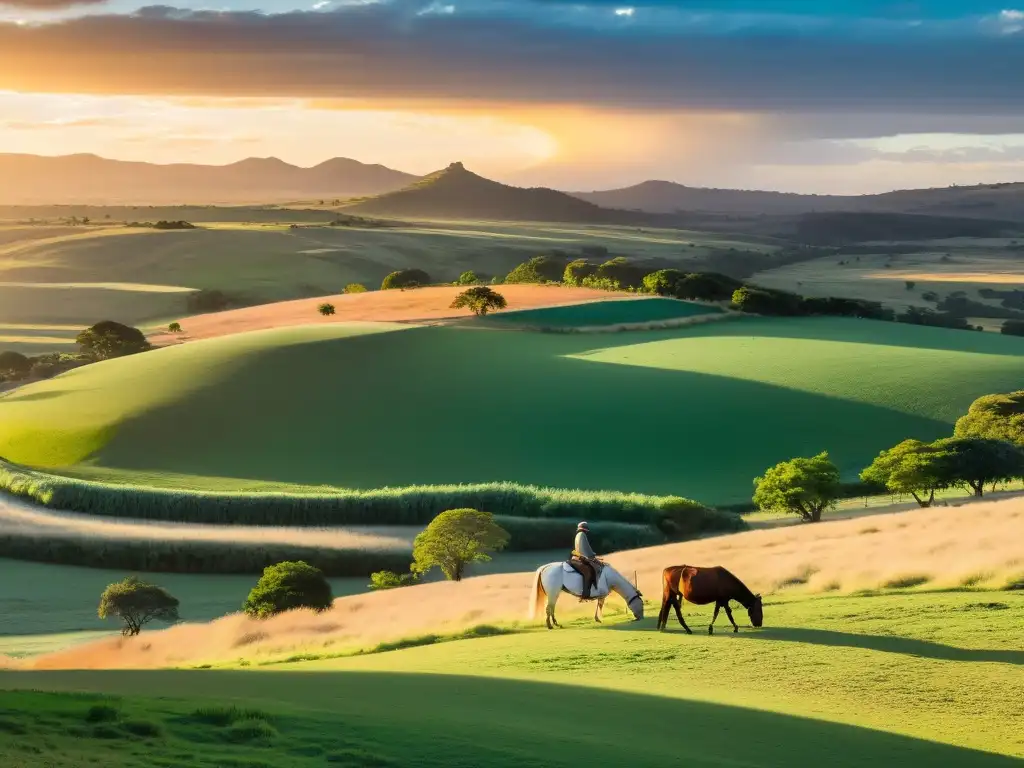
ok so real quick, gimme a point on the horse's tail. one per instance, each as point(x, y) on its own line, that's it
point(537, 593)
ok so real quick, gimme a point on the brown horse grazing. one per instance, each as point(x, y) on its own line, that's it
point(701, 586)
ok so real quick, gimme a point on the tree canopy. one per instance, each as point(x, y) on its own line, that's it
point(998, 417)
point(109, 339)
point(806, 487)
point(912, 467)
point(577, 271)
point(977, 461)
point(325, 309)
point(480, 299)
point(456, 538)
point(286, 586)
point(469, 277)
point(136, 603)
point(539, 269)
point(14, 364)
point(405, 278)
point(355, 288)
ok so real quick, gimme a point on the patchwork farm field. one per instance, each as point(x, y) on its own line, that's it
point(371, 405)
point(838, 675)
point(56, 275)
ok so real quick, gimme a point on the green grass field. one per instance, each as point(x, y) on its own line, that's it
point(651, 411)
point(915, 680)
point(623, 311)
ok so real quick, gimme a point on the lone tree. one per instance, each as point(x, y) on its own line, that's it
point(136, 602)
point(456, 538)
point(14, 365)
point(174, 327)
point(806, 487)
point(912, 467)
point(286, 586)
point(325, 309)
point(355, 288)
point(997, 417)
point(480, 299)
point(976, 461)
point(108, 339)
point(469, 277)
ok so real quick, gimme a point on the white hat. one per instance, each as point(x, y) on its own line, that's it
point(583, 527)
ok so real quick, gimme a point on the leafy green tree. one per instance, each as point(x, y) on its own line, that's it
point(325, 309)
point(911, 467)
point(663, 282)
point(539, 269)
point(391, 580)
point(355, 288)
point(174, 327)
point(806, 487)
point(136, 603)
point(978, 461)
point(480, 299)
point(405, 278)
point(764, 301)
point(108, 339)
point(998, 417)
point(14, 364)
point(286, 586)
point(577, 271)
point(621, 271)
point(456, 538)
point(469, 277)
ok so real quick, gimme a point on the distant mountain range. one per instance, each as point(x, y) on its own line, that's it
point(88, 179)
point(455, 193)
point(988, 201)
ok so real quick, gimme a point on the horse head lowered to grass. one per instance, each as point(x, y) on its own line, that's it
point(554, 578)
point(703, 585)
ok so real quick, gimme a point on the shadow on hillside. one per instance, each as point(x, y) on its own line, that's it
point(887, 644)
point(442, 720)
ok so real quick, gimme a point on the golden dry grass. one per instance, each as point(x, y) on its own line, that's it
point(976, 545)
point(375, 306)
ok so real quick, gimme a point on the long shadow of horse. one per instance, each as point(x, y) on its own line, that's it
point(887, 644)
point(925, 649)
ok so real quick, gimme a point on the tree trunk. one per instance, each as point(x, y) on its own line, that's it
point(979, 488)
point(816, 514)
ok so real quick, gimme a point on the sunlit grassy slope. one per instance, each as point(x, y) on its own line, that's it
point(915, 680)
point(697, 411)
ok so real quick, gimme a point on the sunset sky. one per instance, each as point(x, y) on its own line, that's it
point(846, 96)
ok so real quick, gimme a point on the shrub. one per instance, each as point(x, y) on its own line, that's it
point(325, 309)
point(539, 269)
point(136, 603)
point(14, 365)
point(456, 538)
point(287, 586)
point(576, 271)
point(663, 282)
point(622, 272)
point(872, 310)
point(763, 301)
point(706, 286)
point(469, 277)
point(923, 316)
point(806, 487)
point(208, 300)
point(1012, 328)
point(601, 283)
point(480, 300)
point(910, 285)
point(249, 731)
point(174, 225)
point(391, 580)
point(996, 417)
point(108, 339)
point(405, 278)
point(174, 328)
point(355, 288)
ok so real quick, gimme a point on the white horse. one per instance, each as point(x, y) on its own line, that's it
point(554, 578)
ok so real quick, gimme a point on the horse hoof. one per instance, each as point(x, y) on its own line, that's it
point(735, 630)
point(711, 630)
point(689, 632)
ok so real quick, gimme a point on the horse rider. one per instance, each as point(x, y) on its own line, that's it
point(585, 559)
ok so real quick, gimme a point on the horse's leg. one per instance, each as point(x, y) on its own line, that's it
point(678, 605)
point(728, 612)
point(711, 626)
point(600, 610)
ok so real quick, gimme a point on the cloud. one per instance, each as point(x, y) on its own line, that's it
point(47, 5)
point(393, 51)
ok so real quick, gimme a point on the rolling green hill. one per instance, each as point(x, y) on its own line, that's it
point(695, 411)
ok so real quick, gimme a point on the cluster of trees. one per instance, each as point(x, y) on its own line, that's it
point(987, 448)
point(405, 278)
point(453, 540)
point(158, 225)
point(15, 366)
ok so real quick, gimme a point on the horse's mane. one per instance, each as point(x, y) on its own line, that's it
point(745, 596)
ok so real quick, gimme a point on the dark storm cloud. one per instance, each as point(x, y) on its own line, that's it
point(406, 50)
